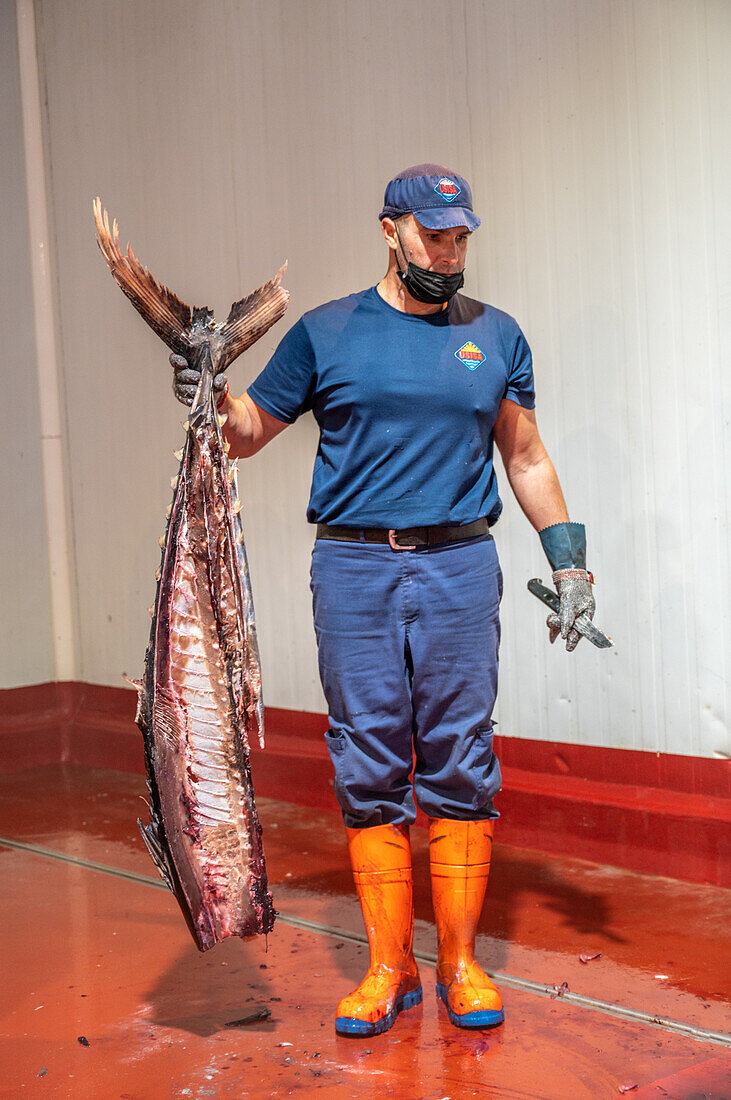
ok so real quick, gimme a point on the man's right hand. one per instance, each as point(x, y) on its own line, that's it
point(186, 379)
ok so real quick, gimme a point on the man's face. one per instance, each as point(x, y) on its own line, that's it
point(442, 250)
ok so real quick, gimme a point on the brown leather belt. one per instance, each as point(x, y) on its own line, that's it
point(409, 538)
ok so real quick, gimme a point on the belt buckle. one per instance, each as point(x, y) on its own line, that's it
point(395, 545)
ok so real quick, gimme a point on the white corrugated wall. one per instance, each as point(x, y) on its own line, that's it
point(227, 136)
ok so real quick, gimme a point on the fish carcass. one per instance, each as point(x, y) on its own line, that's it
point(200, 697)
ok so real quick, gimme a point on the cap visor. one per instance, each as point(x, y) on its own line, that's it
point(447, 217)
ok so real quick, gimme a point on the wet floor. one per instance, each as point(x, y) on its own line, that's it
point(93, 947)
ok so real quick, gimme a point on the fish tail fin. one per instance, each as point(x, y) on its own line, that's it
point(164, 312)
point(252, 316)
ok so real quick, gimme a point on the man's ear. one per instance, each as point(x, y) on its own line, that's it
point(388, 228)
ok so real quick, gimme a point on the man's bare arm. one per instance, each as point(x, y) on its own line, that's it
point(248, 427)
point(530, 471)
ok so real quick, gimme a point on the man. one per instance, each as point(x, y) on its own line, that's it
point(411, 383)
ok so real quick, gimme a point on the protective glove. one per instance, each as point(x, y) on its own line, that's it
point(565, 548)
point(187, 377)
point(576, 598)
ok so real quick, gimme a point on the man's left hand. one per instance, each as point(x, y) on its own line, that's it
point(576, 598)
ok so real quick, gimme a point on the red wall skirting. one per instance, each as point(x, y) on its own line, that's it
point(656, 813)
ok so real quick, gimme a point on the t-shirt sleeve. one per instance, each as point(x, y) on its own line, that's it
point(284, 387)
point(520, 387)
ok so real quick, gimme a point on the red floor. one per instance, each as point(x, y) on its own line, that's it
point(89, 953)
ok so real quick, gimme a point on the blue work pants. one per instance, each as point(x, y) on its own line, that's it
point(408, 655)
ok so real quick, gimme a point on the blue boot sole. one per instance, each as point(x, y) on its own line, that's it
point(484, 1018)
point(349, 1025)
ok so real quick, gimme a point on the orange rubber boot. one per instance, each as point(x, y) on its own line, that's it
point(459, 855)
point(381, 859)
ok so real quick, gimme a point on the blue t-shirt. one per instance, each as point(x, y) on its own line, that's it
point(406, 407)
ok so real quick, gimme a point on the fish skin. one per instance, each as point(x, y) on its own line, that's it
point(200, 698)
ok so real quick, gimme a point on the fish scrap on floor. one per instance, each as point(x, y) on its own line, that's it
point(200, 696)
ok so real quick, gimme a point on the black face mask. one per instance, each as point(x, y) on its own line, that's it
point(430, 287)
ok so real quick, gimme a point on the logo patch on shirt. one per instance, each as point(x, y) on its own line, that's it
point(470, 355)
point(448, 189)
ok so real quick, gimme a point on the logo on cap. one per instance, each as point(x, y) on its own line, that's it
point(470, 355)
point(448, 189)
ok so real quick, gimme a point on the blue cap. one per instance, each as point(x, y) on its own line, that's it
point(438, 198)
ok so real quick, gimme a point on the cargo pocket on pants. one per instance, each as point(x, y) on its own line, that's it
point(335, 741)
point(485, 771)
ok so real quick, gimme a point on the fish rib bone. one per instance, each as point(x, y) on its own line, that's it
point(208, 773)
point(202, 735)
point(215, 785)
